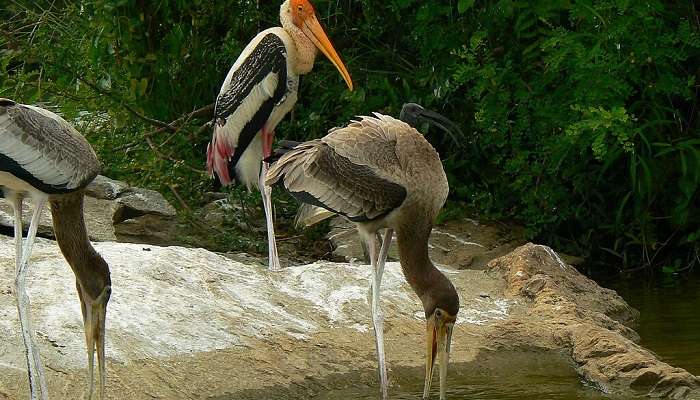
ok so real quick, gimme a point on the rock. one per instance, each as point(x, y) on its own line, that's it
point(462, 244)
point(533, 268)
point(173, 308)
point(590, 322)
point(145, 216)
point(189, 323)
point(113, 211)
point(217, 212)
point(105, 188)
point(148, 229)
point(98, 218)
point(136, 202)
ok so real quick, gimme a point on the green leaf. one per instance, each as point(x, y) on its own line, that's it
point(668, 269)
point(464, 5)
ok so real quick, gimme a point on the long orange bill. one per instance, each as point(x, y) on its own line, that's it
point(313, 30)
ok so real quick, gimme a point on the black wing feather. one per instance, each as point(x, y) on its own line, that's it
point(269, 55)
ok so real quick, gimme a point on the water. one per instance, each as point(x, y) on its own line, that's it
point(669, 324)
point(511, 376)
point(492, 376)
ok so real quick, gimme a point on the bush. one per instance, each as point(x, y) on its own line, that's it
point(580, 116)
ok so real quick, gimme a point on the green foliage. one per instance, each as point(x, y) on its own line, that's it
point(580, 116)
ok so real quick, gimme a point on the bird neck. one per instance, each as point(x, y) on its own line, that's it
point(90, 269)
point(419, 271)
point(305, 49)
point(432, 286)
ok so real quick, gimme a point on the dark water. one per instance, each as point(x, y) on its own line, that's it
point(519, 376)
point(669, 324)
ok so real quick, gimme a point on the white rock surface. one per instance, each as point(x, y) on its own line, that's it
point(169, 301)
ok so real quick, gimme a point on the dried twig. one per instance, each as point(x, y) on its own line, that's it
point(162, 156)
point(179, 198)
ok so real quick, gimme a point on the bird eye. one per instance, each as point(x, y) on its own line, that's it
point(300, 8)
point(438, 313)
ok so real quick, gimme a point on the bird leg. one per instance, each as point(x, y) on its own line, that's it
point(386, 242)
point(34, 366)
point(266, 191)
point(377, 261)
point(365, 249)
point(39, 203)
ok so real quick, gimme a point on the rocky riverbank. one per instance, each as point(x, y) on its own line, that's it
point(189, 324)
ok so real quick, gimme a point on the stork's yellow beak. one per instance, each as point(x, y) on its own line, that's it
point(313, 30)
point(438, 339)
point(94, 316)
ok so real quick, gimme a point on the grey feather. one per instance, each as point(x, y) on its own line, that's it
point(47, 147)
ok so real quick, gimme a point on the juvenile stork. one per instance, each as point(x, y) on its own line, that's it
point(44, 158)
point(259, 90)
point(381, 173)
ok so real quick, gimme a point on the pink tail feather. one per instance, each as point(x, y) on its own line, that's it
point(219, 152)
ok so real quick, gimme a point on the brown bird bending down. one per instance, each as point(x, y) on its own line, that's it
point(379, 172)
point(43, 157)
point(259, 90)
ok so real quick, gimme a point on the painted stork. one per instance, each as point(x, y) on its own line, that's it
point(44, 158)
point(259, 90)
point(381, 173)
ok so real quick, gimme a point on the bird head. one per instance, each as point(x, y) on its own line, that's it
point(441, 307)
point(303, 18)
point(414, 115)
point(94, 292)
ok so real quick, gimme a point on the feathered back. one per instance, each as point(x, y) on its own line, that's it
point(43, 149)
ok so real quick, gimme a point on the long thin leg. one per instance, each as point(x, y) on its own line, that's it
point(377, 314)
point(28, 245)
point(20, 294)
point(34, 368)
point(386, 242)
point(266, 191)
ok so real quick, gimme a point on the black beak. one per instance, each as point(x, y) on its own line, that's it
point(440, 121)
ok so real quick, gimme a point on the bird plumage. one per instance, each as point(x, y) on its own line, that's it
point(380, 172)
point(43, 157)
point(258, 91)
point(42, 150)
point(365, 170)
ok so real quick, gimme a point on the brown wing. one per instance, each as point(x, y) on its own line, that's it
point(43, 149)
point(314, 173)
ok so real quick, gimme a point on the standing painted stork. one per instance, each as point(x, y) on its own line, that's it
point(259, 90)
point(44, 158)
point(381, 173)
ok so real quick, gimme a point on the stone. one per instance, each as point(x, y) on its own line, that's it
point(145, 216)
point(188, 323)
point(217, 212)
point(105, 188)
point(113, 212)
point(463, 244)
point(148, 229)
point(98, 219)
point(591, 322)
point(138, 201)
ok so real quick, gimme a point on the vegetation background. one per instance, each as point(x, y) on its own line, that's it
point(580, 118)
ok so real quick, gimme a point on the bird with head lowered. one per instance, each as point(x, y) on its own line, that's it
point(381, 173)
point(44, 158)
